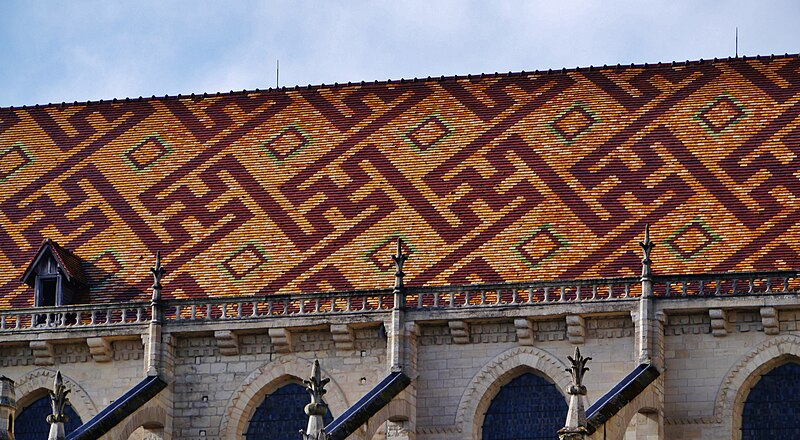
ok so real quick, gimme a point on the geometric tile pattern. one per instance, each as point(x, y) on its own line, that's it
point(288, 142)
point(720, 115)
point(428, 133)
point(691, 239)
point(12, 159)
point(147, 152)
point(539, 246)
point(572, 123)
point(244, 260)
point(594, 154)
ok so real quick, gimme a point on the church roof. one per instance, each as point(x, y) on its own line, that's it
point(486, 178)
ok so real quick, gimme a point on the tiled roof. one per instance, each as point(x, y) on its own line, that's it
point(489, 178)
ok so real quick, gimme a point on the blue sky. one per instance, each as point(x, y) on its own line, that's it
point(54, 51)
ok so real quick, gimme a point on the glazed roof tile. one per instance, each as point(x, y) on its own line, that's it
point(486, 178)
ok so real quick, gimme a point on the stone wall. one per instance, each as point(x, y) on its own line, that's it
point(220, 374)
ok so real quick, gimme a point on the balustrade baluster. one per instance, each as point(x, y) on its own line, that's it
point(562, 295)
point(452, 298)
point(719, 286)
point(733, 287)
point(785, 284)
point(483, 297)
point(769, 285)
point(684, 287)
point(239, 306)
point(578, 293)
point(751, 287)
point(139, 314)
point(627, 290)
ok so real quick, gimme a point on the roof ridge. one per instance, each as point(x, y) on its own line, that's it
point(563, 70)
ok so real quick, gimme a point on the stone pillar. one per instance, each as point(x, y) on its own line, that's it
point(8, 408)
point(575, 425)
point(396, 326)
point(316, 410)
point(646, 322)
point(59, 400)
point(153, 348)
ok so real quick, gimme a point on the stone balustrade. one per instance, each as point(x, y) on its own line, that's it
point(78, 316)
point(726, 284)
point(599, 289)
point(596, 290)
point(215, 309)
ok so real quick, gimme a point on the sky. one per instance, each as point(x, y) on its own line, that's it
point(79, 50)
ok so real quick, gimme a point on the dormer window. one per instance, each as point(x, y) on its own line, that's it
point(55, 275)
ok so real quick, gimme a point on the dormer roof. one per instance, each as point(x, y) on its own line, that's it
point(68, 264)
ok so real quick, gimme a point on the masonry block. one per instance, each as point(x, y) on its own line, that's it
point(42, 353)
point(101, 349)
point(343, 337)
point(459, 331)
point(524, 331)
point(576, 329)
point(281, 339)
point(227, 342)
point(719, 322)
point(770, 320)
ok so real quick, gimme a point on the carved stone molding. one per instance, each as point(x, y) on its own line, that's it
point(227, 342)
point(344, 337)
point(42, 379)
point(101, 349)
point(42, 353)
point(770, 320)
point(281, 339)
point(459, 331)
point(524, 328)
point(746, 371)
point(719, 322)
point(485, 384)
point(576, 329)
point(268, 378)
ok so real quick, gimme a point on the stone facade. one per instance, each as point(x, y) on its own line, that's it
point(220, 369)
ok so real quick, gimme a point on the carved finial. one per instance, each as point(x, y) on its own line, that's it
point(58, 400)
point(647, 247)
point(575, 425)
point(315, 385)
point(399, 260)
point(577, 370)
point(158, 272)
